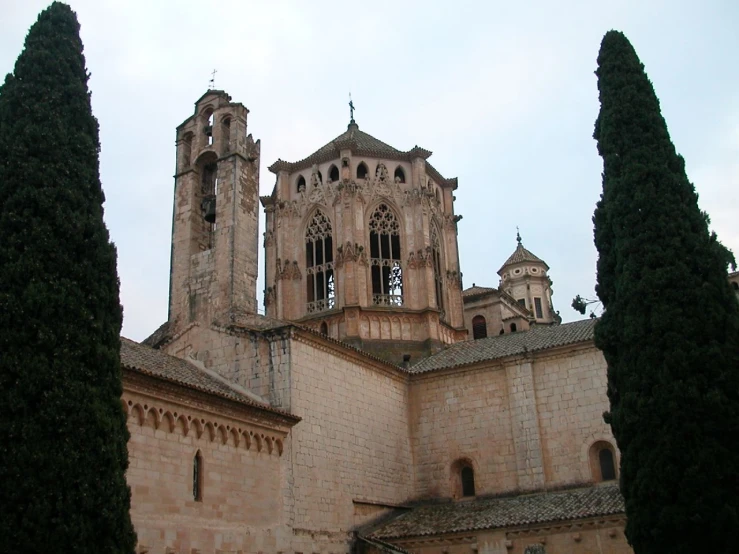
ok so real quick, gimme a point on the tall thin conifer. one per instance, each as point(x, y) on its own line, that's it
point(670, 327)
point(63, 434)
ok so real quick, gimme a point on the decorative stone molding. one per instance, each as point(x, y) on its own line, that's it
point(288, 270)
point(269, 238)
point(350, 253)
point(454, 278)
point(270, 296)
point(200, 428)
point(420, 258)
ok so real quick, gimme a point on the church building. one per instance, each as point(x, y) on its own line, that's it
point(378, 406)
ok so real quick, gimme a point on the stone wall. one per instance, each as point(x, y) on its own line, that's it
point(352, 444)
point(241, 507)
point(522, 423)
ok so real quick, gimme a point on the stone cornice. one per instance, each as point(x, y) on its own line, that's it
point(141, 383)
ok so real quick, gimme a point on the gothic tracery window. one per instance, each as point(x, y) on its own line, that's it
point(319, 264)
point(385, 260)
point(438, 280)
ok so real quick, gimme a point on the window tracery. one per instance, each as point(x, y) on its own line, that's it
point(438, 279)
point(385, 260)
point(319, 264)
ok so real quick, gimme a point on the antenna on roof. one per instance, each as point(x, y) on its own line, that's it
point(351, 109)
point(212, 82)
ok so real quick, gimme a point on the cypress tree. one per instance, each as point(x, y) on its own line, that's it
point(670, 327)
point(63, 434)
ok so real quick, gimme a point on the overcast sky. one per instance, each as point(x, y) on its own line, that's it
point(503, 93)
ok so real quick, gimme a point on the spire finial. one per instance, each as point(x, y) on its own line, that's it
point(212, 82)
point(351, 109)
point(518, 235)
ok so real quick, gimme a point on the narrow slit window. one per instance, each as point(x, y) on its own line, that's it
point(468, 481)
point(537, 307)
point(438, 278)
point(197, 477)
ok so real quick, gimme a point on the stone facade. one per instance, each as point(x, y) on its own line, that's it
point(361, 238)
point(358, 397)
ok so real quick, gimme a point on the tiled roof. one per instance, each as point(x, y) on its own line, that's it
point(359, 143)
point(496, 513)
point(353, 139)
point(501, 346)
point(475, 290)
point(143, 359)
point(520, 254)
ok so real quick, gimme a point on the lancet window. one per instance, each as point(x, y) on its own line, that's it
point(385, 260)
point(438, 280)
point(319, 264)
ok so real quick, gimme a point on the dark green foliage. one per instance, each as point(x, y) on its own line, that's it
point(670, 329)
point(62, 432)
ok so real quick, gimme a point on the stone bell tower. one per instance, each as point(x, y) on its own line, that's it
point(215, 223)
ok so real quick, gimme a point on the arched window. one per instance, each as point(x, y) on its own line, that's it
point(387, 272)
point(467, 476)
point(603, 461)
point(362, 171)
point(513, 327)
point(438, 280)
point(197, 477)
point(319, 264)
point(324, 328)
point(301, 184)
point(208, 129)
point(480, 327)
point(462, 478)
point(333, 173)
point(226, 135)
point(607, 467)
point(399, 175)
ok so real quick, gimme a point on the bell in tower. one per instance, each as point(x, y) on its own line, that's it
point(209, 190)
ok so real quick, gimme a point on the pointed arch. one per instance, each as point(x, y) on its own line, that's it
point(437, 264)
point(300, 184)
point(385, 256)
point(319, 263)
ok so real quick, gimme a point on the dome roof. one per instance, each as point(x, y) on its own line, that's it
point(521, 254)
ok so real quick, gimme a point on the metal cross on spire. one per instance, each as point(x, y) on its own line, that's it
point(351, 109)
point(212, 82)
